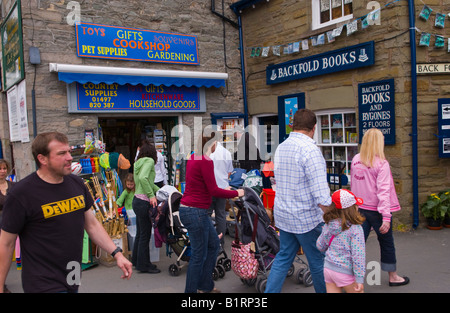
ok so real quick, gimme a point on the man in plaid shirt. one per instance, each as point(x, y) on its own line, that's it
point(302, 196)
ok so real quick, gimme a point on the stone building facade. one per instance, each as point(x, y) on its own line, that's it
point(48, 25)
point(286, 22)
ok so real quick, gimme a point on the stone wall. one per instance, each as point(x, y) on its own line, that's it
point(289, 21)
point(45, 26)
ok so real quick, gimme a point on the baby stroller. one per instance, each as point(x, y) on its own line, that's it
point(173, 232)
point(253, 223)
point(176, 237)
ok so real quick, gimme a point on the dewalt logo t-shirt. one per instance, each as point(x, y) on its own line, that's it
point(49, 219)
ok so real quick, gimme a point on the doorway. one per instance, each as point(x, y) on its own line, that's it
point(123, 135)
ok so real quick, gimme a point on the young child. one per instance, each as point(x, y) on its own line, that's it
point(126, 198)
point(342, 240)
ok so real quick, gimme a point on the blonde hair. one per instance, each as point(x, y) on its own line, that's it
point(372, 146)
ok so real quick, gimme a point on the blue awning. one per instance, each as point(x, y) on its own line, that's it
point(110, 75)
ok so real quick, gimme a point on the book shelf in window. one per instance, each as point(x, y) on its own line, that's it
point(337, 137)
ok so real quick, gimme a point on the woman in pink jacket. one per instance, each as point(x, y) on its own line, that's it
point(371, 180)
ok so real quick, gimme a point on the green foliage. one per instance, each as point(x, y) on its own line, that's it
point(437, 205)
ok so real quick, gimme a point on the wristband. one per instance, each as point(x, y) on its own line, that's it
point(116, 251)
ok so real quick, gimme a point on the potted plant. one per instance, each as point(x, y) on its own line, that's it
point(445, 199)
point(434, 210)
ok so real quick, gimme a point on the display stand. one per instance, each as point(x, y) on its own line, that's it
point(104, 185)
point(229, 124)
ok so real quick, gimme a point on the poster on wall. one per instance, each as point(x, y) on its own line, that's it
point(13, 115)
point(376, 103)
point(12, 48)
point(17, 113)
point(287, 106)
point(23, 117)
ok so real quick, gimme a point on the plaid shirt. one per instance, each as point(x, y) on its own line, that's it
point(301, 178)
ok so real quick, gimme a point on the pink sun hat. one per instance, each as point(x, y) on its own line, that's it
point(343, 199)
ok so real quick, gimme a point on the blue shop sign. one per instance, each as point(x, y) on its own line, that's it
point(377, 108)
point(119, 98)
point(134, 44)
point(329, 62)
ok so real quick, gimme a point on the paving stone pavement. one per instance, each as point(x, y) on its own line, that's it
point(423, 255)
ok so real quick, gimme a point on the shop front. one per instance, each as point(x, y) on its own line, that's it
point(330, 57)
point(135, 104)
point(124, 77)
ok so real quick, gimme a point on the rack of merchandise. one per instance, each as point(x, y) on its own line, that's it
point(97, 168)
point(228, 124)
point(338, 138)
point(157, 135)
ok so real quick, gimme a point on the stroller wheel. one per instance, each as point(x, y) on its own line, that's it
point(261, 285)
point(226, 263)
point(291, 271)
point(174, 270)
point(304, 277)
point(307, 279)
point(215, 274)
point(220, 270)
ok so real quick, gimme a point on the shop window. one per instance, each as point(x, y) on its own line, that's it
point(330, 12)
point(336, 135)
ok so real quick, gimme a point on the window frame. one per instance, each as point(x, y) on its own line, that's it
point(346, 145)
point(315, 8)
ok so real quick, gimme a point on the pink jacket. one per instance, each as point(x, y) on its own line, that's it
point(375, 186)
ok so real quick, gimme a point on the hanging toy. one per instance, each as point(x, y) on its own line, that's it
point(104, 160)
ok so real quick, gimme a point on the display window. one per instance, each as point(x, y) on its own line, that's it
point(336, 135)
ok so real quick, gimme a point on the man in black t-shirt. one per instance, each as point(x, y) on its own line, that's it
point(49, 210)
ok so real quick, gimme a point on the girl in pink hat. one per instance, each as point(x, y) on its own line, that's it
point(342, 240)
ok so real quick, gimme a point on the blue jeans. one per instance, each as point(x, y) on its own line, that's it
point(204, 249)
point(289, 245)
point(375, 220)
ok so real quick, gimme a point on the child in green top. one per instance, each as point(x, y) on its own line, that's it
point(126, 198)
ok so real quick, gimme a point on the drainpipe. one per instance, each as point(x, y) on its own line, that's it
point(241, 48)
point(412, 40)
point(244, 84)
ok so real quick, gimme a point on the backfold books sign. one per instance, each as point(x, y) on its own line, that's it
point(329, 62)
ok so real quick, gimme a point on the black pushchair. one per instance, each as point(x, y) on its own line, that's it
point(173, 232)
point(252, 221)
point(176, 236)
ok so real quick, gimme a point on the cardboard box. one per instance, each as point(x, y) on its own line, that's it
point(120, 241)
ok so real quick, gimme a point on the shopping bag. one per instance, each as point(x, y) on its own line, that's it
point(243, 261)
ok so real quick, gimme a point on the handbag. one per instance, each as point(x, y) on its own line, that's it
point(243, 261)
